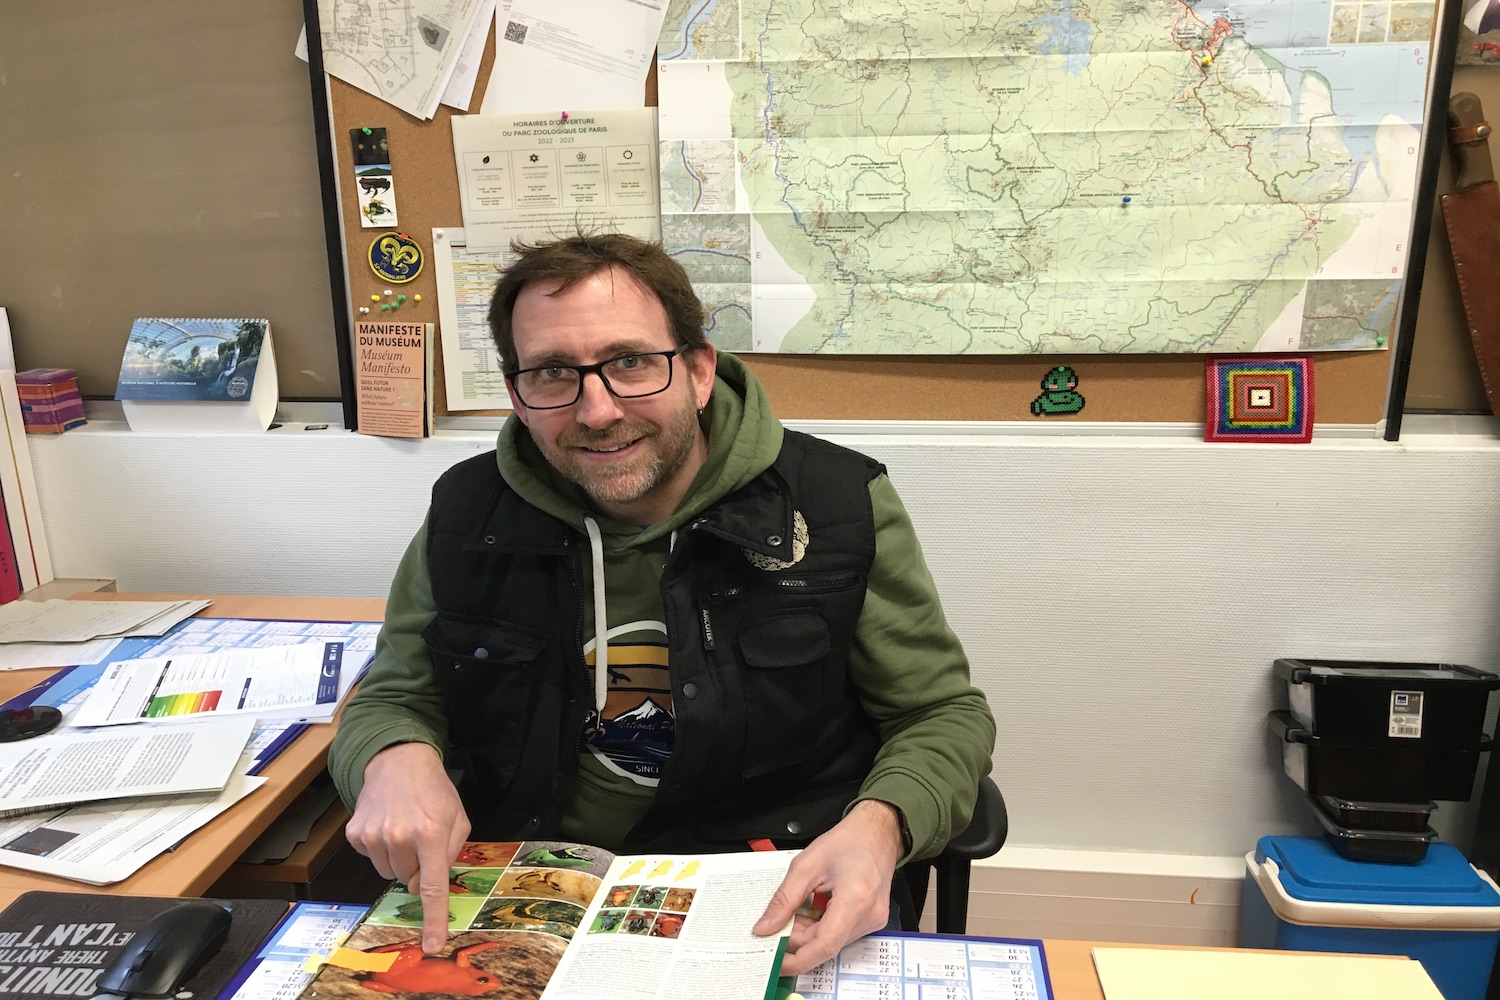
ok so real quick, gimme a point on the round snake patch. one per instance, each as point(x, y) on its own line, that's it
point(799, 548)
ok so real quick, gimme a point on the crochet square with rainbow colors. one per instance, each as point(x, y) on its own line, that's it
point(1259, 397)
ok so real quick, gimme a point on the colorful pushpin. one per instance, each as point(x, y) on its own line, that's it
point(364, 309)
point(416, 298)
point(1379, 341)
point(1206, 60)
point(365, 131)
point(1125, 200)
point(387, 293)
point(401, 298)
point(565, 116)
point(385, 307)
point(374, 298)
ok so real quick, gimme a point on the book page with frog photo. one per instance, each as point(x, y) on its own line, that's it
point(512, 908)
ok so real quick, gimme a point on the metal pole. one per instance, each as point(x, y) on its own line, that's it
point(1443, 54)
point(332, 231)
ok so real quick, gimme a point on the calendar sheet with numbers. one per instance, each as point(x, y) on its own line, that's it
point(923, 967)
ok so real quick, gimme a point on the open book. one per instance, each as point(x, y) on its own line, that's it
point(544, 919)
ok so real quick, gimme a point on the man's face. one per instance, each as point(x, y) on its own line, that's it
point(634, 458)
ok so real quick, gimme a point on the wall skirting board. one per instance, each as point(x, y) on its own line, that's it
point(1121, 597)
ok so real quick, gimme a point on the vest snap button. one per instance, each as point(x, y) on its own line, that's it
point(457, 665)
point(481, 653)
point(489, 539)
point(690, 690)
point(773, 540)
point(793, 827)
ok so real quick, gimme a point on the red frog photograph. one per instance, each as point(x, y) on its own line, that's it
point(495, 964)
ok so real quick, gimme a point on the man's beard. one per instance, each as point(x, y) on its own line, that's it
point(665, 447)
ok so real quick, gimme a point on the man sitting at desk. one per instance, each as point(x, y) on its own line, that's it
point(776, 663)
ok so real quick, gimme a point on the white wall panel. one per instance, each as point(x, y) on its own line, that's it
point(1121, 598)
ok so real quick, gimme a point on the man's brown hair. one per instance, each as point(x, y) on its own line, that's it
point(574, 258)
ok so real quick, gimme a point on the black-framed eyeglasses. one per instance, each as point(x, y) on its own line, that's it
point(629, 376)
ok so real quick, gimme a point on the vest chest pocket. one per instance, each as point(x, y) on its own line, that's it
point(786, 688)
point(489, 675)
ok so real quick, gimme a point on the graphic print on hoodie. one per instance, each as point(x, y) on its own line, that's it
point(633, 738)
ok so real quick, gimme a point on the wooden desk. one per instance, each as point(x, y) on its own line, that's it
point(1071, 967)
point(204, 856)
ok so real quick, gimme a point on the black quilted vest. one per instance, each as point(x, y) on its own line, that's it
point(770, 740)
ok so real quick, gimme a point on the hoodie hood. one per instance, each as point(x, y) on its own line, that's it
point(743, 440)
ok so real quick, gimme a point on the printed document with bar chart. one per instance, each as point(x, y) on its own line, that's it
point(270, 683)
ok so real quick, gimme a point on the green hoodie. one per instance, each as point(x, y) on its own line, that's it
point(906, 663)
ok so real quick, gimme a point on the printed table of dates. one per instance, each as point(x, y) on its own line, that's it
point(900, 967)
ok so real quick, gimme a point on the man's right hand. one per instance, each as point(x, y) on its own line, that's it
point(410, 823)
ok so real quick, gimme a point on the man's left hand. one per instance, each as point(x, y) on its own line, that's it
point(854, 861)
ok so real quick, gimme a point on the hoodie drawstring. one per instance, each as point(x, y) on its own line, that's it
point(601, 620)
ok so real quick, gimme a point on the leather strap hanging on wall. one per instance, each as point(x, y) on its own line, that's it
point(1472, 215)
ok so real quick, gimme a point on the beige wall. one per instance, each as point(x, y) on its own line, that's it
point(157, 159)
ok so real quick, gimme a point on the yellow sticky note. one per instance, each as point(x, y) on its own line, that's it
point(363, 961)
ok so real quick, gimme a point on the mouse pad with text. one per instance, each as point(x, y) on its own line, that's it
point(57, 944)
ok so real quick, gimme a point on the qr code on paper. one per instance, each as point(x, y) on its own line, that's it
point(515, 32)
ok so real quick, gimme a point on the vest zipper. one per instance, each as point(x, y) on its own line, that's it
point(818, 584)
point(571, 767)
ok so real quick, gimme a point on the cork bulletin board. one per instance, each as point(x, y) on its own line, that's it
point(1351, 387)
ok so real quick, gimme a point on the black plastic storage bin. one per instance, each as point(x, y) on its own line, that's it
point(1410, 817)
point(1432, 704)
point(1395, 771)
point(1392, 847)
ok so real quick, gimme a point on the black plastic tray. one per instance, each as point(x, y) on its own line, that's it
point(1441, 704)
point(1411, 817)
point(1392, 847)
point(1390, 771)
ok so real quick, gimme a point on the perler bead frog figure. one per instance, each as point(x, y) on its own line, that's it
point(1057, 395)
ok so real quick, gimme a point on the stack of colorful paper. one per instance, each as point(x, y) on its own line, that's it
point(50, 403)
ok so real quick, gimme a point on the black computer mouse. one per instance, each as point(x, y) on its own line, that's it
point(172, 946)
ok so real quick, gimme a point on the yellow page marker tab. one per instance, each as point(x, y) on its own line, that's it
point(363, 961)
point(316, 962)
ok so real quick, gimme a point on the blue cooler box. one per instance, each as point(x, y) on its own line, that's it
point(1443, 912)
